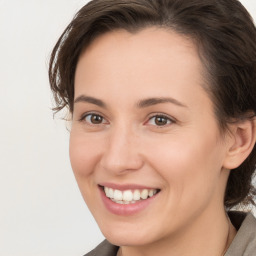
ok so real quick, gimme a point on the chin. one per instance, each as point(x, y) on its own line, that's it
point(128, 236)
point(127, 240)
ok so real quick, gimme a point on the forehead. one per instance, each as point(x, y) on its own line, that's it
point(153, 36)
point(154, 41)
point(152, 61)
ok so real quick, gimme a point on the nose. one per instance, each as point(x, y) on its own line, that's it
point(122, 152)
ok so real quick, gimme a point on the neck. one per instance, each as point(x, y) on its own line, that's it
point(209, 236)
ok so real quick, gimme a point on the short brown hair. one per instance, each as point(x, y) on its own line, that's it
point(226, 38)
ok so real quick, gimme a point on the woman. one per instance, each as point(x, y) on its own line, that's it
point(162, 95)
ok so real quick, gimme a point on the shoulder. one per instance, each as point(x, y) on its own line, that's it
point(104, 249)
point(244, 242)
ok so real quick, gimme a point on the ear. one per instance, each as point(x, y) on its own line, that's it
point(240, 143)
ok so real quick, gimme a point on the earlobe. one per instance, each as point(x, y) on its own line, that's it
point(243, 138)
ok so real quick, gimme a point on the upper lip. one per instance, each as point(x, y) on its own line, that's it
point(123, 187)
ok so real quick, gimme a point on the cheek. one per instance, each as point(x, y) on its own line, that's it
point(84, 157)
point(190, 167)
point(83, 154)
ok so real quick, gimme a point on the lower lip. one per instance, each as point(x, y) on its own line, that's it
point(125, 209)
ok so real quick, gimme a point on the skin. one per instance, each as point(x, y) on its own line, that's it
point(186, 158)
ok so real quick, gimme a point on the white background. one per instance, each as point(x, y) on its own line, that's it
point(41, 209)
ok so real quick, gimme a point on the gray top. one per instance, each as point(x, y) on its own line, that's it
point(244, 243)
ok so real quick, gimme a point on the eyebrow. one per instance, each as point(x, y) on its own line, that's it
point(141, 104)
point(92, 100)
point(154, 101)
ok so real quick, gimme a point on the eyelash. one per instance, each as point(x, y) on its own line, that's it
point(168, 119)
point(83, 118)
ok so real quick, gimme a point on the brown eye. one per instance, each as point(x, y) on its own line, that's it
point(159, 120)
point(94, 119)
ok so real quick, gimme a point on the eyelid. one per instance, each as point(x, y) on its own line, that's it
point(171, 119)
point(84, 115)
point(152, 115)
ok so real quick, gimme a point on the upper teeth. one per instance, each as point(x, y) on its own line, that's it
point(128, 196)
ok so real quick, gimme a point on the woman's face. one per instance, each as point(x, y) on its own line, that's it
point(143, 125)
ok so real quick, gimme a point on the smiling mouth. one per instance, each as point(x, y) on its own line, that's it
point(129, 196)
